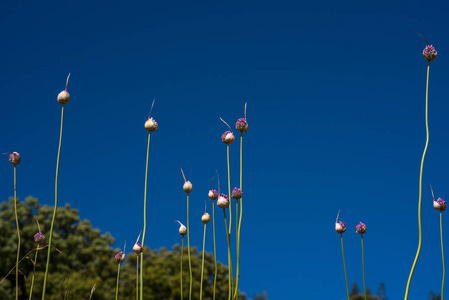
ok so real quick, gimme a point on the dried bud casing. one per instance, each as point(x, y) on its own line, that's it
point(429, 53)
point(228, 137)
point(340, 227)
point(205, 218)
point(182, 229)
point(223, 201)
point(241, 125)
point(187, 187)
point(151, 125)
point(213, 195)
point(14, 158)
point(63, 98)
point(120, 257)
point(137, 248)
point(237, 193)
point(360, 228)
point(39, 238)
point(440, 204)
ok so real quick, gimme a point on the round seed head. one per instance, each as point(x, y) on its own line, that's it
point(228, 137)
point(340, 227)
point(440, 204)
point(429, 53)
point(213, 195)
point(39, 238)
point(237, 193)
point(241, 125)
point(151, 125)
point(223, 201)
point(187, 187)
point(63, 97)
point(14, 158)
point(205, 218)
point(360, 228)
point(182, 229)
point(137, 248)
point(120, 257)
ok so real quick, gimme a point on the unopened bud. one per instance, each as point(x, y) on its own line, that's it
point(151, 125)
point(14, 158)
point(187, 187)
point(228, 137)
point(223, 201)
point(360, 228)
point(205, 218)
point(213, 195)
point(241, 125)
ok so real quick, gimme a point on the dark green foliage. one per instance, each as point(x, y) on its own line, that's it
point(356, 295)
point(432, 296)
point(83, 257)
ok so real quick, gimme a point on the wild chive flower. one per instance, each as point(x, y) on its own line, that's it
point(205, 218)
point(223, 201)
point(39, 238)
point(64, 96)
point(213, 195)
point(237, 193)
point(440, 204)
point(187, 187)
point(429, 53)
point(137, 248)
point(151, 125)
point(14, 158)
point(182, 229)
point(120, 257)
point(340, 227)
point(228, 137)
point(360, 228)
point(241, 125)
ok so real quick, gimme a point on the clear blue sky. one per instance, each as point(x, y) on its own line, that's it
point(335, 93)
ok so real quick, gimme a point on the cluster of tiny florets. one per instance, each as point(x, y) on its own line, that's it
point(213, 194)
point(429, 53)
point(241, 125)
point(120, 257)
point(237, 193)
point(39, 238)
point(14, 158)
point(440, 204)
point(228, 137)
point(360, 228)
point(223, 201)
point(340, 227)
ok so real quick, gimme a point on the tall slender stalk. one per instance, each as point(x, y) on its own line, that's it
point(240, 217)
point(215, 248)
point(229, 189)
point(202, 264)
point(188, 249)
point(344, 264)
point(144, 215)
point(118, 279)
point(18, 232)
point(442, 252)
point(182, 252)
point(34, 271)
point(363, 267)
point(137, 277)
point(229, 255)
point(420, 189)
point(56, 206)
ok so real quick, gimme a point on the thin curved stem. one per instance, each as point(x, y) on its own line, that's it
point(182, 252)
point(188, 249)
point(363, 267)
point(344, 265)
point(144, 216)
point(202, 264)
point(240, 220)
point(420, 190)
point(442, 253)
point(229, 255)
point(137, 277)
point(34, 271)
point(229, 191)
point(55, 208)
point(18, 232)
point(215, 248)
point(118, 279)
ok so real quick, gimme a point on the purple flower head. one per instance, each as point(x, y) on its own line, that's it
point(228, 137)
point(237, 193)
point(429, 53)
point(360, 228)
point(137, 248)
point(340, 227)
point(120, 257)
point(213, 195)
point(39, 238)
point(440, 204)
point(14, 158)
point(241, 125)
point(223, 201)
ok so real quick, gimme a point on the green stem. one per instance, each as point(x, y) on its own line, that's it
point(182, 252)
point(215, 248)
point(144, 216)
point(18, 233)
point(240, 220)
point(34, 271)
point(442, 253)
point(188, 249)
point(137, 277)
point(55, 208)
point(420, 189)
point(229, 255)
point(202, 264)
point(344, 264)
point(363, 267)
point(118, 279)
point(229, 191)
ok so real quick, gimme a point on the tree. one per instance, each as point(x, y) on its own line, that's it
point(82, 257)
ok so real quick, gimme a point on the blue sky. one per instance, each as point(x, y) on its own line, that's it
point(335, 94)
